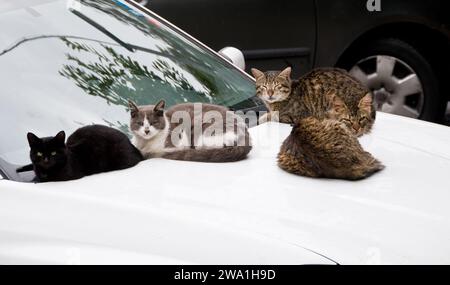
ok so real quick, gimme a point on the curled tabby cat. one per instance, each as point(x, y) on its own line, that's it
point(325, 148)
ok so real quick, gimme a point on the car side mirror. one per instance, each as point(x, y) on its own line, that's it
point(234, 55)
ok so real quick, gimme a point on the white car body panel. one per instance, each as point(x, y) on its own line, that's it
point(249, 212)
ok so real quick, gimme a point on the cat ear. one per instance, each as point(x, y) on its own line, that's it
point(33, 140)
point(159, 107)
point(257, 73)
point(286, 73)
point(60, 137)
point(133, 108)
point(365, 103)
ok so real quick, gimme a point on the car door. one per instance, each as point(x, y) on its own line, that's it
point(271, 34)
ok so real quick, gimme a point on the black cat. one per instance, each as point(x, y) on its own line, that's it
point(89, 150)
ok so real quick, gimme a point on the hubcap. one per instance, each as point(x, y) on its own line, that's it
point(396, 87)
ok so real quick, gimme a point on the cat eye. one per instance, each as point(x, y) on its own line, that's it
point(53, 153)
point(140, 123)
point(39, 153)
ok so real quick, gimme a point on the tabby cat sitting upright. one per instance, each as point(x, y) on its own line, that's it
point(160, 133)
point(308, 96)
point(89, 150)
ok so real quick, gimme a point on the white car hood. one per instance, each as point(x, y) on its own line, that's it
point(251, 211)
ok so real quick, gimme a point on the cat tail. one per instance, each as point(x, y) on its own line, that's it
point(369, 169)
point(375, 166)
point(225, 154)
point(25, 168)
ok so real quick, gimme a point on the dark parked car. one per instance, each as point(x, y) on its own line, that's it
point(400, 52)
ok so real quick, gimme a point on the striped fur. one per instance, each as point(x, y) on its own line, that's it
point(328, 109)
point(325, 148)
point(316, 93)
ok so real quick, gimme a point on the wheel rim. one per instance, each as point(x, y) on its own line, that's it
point(396, 86)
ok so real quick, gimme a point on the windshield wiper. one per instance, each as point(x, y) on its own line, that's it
point(102, 29)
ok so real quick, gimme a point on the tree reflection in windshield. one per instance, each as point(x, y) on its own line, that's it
point(112, 75)
point(76, 74)
point(215, 79)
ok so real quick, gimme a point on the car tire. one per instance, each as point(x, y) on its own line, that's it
point(410, 72)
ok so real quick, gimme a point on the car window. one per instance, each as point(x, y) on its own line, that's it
point(66, 64)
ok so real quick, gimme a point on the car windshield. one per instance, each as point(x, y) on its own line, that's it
point(65, 64)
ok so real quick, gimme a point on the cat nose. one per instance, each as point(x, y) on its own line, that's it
point(270, 92)
point(355, 127)
point(147, 131)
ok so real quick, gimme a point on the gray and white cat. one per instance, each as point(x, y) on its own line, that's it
point(189, 131)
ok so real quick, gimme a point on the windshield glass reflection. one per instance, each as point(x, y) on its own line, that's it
point(62, 76)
